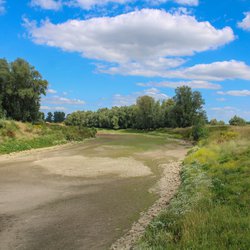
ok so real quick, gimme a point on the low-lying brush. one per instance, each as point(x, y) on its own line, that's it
point(16, 136)
point(211, 209)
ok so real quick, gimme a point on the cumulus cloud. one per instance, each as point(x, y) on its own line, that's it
point(47, 4)
point(62, 100)
point(216, 71)
point(126, 100)
point(2, 7)
point(245, 23)
point(193, 84)
point(235, 92)
point(140, 42)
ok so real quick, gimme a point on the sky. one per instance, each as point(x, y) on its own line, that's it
point(104, 53)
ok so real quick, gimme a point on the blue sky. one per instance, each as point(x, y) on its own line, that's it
point(101, 53)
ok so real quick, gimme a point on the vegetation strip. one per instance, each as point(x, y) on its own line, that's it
point(166, 188)
point(211, 208)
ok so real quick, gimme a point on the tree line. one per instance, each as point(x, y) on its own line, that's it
point(185, 109)
point(21, 87)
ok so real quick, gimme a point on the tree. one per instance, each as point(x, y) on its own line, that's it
point(59, 116)
point(22, 88)
point(5, 78)
point(237, 121)
point(49, 117)
point(145, 112)
point(167, 113)
point(214, 122)
point(188, 107)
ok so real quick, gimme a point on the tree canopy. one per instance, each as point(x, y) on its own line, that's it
point(21, 88)
point(183, 110)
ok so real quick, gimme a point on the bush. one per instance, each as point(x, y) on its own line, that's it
point(237, 121)
point(78, 134)
point(199, 131)
point(214, 122)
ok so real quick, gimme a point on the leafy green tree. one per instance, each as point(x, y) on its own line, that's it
point(214, 122)
point(23, 86)
point(145, 112)
point(59, 117)
point(49, 117)
point(5, 78)
point(188, 107)
point(167, 113)
point(237, 121)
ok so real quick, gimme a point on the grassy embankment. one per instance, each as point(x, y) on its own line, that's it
point(211, 209)
point(17, 136)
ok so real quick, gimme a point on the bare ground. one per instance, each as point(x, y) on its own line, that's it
point(81, 196)
point(166, 188)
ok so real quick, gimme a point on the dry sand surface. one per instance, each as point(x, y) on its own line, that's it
point(81, 166)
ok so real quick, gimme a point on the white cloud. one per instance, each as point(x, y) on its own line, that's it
point(126, 100)
point(227, 112)
point(245, 23)
point(47, 4)
point(90, 4)
point(49, 108)
point(2, 7)
point(142, 42)
point(62, 100)
point(193, 84)
point(216, 71)
point(235, 92)
point(51, 91)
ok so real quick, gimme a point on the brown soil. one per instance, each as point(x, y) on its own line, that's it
point(47, 201)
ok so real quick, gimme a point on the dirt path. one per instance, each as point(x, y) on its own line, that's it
point(81, 196)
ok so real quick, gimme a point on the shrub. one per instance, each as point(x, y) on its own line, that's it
point(199, 131)
point(237, 121)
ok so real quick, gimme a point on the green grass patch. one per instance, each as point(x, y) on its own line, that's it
point(211, 209)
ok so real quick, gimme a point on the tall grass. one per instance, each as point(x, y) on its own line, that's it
point(18, 137)
point(211, 209)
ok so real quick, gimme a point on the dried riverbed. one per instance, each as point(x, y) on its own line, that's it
point(87, 195)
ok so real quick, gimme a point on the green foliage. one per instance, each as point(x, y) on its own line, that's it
point(181, 111)
point(214, 122)
point(199, 130)
point(188, 107)
point(49, 117)
point(237, 121)
point(78, 134)
point(59, 117)
point(211, 209)
point(21, 87)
